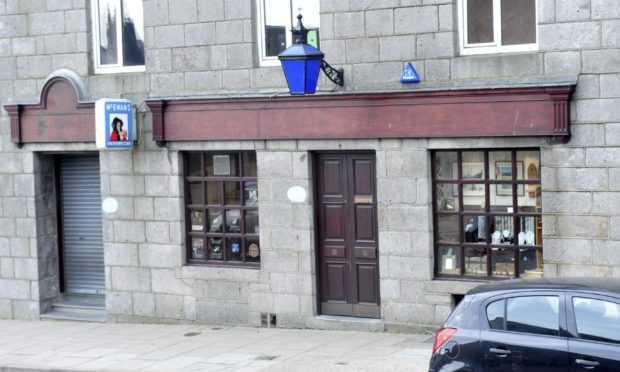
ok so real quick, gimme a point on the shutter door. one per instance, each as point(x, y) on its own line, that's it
point(81, 225)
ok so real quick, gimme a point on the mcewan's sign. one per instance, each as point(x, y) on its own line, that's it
point(114, 124)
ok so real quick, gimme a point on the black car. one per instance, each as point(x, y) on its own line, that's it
point(544, 325)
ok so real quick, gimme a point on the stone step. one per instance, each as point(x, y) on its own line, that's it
point(84, 308)
point(345, 323)
point(95, 317)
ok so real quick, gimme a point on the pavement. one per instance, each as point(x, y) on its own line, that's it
point(75, 346)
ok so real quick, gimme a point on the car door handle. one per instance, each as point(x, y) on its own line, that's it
point(587, 364)
point(501, 353)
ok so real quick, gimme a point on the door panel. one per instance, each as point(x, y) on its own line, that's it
point(366, 277)
point(347, 236)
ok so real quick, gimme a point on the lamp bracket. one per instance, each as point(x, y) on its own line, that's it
point(336, 76)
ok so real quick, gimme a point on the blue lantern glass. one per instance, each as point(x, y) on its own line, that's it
point(301, 62)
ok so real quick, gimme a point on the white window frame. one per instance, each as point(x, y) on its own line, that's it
point(260, 24)
point(110, 68)
point(495, 46)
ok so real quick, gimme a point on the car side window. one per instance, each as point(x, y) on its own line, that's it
point(597, 320)
point(526, 314)
point(533, 314)
point(495, 314)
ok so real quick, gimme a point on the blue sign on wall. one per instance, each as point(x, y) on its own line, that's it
point(115, 127)
point(409, 75)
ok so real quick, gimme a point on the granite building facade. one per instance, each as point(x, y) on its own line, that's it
point(372, 206)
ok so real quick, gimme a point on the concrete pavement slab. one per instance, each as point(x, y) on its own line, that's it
point(71, 346)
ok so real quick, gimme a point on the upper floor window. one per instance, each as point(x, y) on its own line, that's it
point(275, 20)
point(488, 213)
point(497, 26)
point(118, 36)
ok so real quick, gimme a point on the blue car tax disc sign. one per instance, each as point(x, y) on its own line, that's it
point(114, 124)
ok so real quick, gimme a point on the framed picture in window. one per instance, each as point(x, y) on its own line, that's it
point(503, 171)
point(472, 171)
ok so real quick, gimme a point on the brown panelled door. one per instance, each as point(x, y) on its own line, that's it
point(347, 234)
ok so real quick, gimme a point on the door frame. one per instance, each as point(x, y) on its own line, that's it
point(317, 254)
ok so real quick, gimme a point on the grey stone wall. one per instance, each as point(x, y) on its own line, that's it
point(197, 47)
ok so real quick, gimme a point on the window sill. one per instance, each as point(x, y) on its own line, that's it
point(119, 70)
point(472, 51)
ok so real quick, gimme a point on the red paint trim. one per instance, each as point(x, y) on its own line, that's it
point(58, 117)
point(504, 112)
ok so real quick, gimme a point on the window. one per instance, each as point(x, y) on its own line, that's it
point(276, 18)
point(487, 213)
point(118, 36)
point(221, 210)
point(497, 26)
point(527, 314)
point(597, 320)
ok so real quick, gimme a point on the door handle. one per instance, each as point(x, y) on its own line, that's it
point(587, 364)
point(501, 353)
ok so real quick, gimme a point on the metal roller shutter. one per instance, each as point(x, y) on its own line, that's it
point(81, 225)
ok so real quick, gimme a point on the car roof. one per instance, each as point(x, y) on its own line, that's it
point(563, 284)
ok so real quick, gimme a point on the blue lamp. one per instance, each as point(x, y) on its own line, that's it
point(301, 63)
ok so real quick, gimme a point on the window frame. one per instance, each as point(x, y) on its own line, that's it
point(488, 246)
point(263, 59)
point(495, 46)
point(205, 234)
point(110, 68)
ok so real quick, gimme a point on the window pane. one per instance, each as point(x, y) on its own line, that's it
point(233, 222)
point(597, 320)
point(476, 261)
point(447, 197)
point(536, 314)
point(448, 229)
point(277, 19)
point(198, 248)
point(531, 165)
point(495, 314)
point(133, 33)
point(450, 260)
point(251, 222)
point(479, 21)
point(501, 198)
point(474, 229)
point(196, 194)
point(473, 197)
point(530, 263)
point(518, 22)
point(215, 249)
point(214, 196)
point(249, 164)
point(503, 262)
point(232, 191)
point(250, 193)
point(234, 249)
point(194, 163)
point(215, 220)
point(197, 220)
point(502, 228)
point(108, 38)
point(473, 165)
point(309, 9)
point(531, 231)
point(252, 250)
point(445, 165)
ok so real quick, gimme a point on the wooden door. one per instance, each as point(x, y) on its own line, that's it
point(347, 234)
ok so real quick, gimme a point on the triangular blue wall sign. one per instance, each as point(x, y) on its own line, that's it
point(409, 75)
